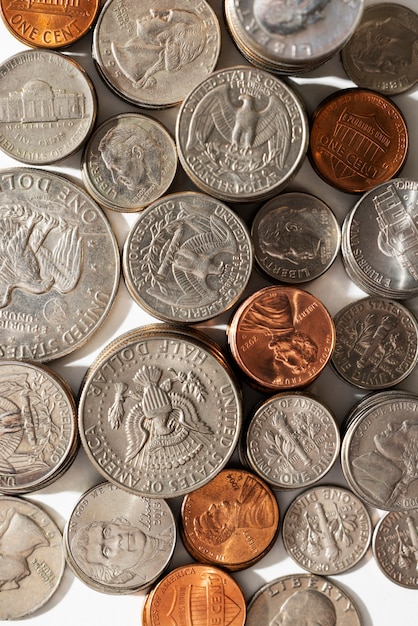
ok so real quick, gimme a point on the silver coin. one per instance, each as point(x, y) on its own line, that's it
point(187, 258)
point(376, 343)
point(60, 265)
point(242, 134)
point(32, 557)
point(117, 542)
point(48, 106)
point(153, 56)
point(291, 598)
point(292, 440)
point(129, 162)
point(296, 237)
point(395, 547)
point(381, 54)
point(327, 530)
point(160, 412)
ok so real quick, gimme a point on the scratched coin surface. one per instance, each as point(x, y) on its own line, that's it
point(242, 134)
point(160, 412)
point(187, 258)
point(32, 557)
point(117, 542)
point(152, 55)
point(42, 24)
point(60, 265)
point(48, 106)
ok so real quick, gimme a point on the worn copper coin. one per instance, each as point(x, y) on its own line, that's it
point(232, 521)
point(358, 139)
point(281, 338)
point(395, 547)
point(42, 24)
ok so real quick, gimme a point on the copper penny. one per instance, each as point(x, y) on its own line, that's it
point(41, 24)
point(358, 140)
point(232, 521)
point(281, 338)
point(195, 594)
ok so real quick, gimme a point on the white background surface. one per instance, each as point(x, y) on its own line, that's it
point(380, 602)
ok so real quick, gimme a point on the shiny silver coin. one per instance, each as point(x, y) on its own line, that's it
point(381, 54)
point(377, 343)
point(129, 162)
point(187, 258)
point(395, 547)
point(160, 412)
point(32, 557)
point(292, 597)
point(242, 134)
point(296, 237)
point(292, 440)
point(48, 106)
point(153, 56)
point(60, 263)
point(117, 542)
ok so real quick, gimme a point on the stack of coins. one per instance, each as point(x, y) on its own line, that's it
point(379, 240)
point(291, 38)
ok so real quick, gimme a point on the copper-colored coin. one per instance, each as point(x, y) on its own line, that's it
point(232, 521)
point(358, 140)
point(51, 24)
point(195, 594)
point(281, 338)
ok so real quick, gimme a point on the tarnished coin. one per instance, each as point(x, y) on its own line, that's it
point(379, 242)
point(327, 530)
point(291, 598)
point(232, 522)
point(296, 237)
point(117, 542)
point(60, 265)
point(379, 451)
point(291, 440)
point(160, 411)
point(196, 594)
point(382, 53)
point(281, 338)
point(395, 547)
point(42, 24)
point(32, 557)
point(152, 56)
point(47, 106)
point(242, 134)
point(358, 140)
point(187, 258)
point(377, 343)
point(38, 434)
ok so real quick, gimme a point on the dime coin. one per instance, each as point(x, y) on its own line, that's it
point(199, 594)
point(242, 134)
point(153, 56)
point(292, 440)
point(294, 596)
point(395, 547)
point(327, 530)
point(381, 54)
point(48, 106)
point(117, 542)
point(358, 140)
point(160, 412)
point(32, 557)
point(232, 521)
point(60, 265)
point(296, 237)
point(281, 338)
point(49, 24)
point(377, 343)
point(187, 258)
point(129, 162)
